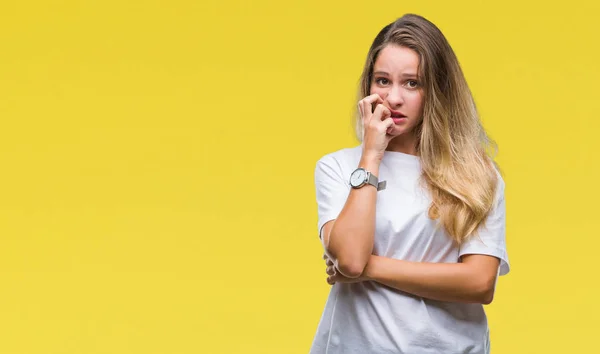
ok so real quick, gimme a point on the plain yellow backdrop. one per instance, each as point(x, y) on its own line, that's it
point(157, 161)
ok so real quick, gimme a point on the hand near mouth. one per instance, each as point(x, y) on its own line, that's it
point(378, 126)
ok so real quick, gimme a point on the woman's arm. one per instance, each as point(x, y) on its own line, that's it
point(348, 240)
point(471, 281)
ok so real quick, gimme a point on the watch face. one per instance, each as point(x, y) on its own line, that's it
point(357, 177)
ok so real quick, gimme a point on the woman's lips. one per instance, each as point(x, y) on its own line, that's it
point(398, 117)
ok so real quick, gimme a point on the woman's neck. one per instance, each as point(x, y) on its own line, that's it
point(406, 144)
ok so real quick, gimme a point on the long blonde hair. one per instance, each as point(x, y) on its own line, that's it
point(455, 152)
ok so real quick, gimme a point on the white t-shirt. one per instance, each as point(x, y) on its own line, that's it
point(369, 317)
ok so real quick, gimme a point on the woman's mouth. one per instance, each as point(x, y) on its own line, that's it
point(398, 117)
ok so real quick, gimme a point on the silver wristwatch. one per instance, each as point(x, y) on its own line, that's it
point(361, 177)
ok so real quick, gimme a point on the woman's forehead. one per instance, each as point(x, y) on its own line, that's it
point(397, 60)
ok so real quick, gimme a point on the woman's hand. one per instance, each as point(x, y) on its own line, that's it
point(376, 125)
point(336, 277)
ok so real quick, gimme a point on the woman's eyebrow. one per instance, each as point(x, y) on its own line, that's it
point(381, 73)
point(407, 75)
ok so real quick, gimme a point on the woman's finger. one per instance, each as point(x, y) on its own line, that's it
point(381, 112)
point(368, 101)
point(380, 120)
point(389, 126)
point(388, 122)
point(366, 105)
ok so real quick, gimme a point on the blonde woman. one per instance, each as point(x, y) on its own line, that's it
point(412, 220)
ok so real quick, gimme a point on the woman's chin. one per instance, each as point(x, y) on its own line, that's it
point(396, 131)
point(400, 131)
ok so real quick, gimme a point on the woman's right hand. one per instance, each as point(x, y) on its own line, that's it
point(376, 125)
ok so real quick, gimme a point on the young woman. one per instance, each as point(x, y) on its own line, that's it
point(413, 219)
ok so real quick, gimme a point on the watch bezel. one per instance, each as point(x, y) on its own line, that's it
point(364, 180)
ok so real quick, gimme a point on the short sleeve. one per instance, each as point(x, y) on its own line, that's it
point(490, 239)
point(332, 190)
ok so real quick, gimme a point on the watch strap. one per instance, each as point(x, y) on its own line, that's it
point(373, 180)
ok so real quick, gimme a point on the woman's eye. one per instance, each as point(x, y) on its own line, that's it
point(382, 81)
point(412, 84)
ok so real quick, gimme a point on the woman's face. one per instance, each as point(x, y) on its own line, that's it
point(395, 80)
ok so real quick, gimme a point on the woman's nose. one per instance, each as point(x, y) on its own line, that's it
point(394, 97)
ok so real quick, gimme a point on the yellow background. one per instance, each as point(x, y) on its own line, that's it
point(156, 193)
